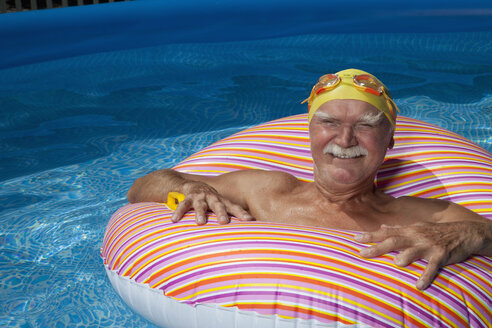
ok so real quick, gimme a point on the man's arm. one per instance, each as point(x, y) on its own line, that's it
point(452, 235)
point(202, 193)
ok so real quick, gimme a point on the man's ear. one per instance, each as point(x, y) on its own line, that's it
point(392, 143)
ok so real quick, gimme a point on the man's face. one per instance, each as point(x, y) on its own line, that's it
point(349, 139)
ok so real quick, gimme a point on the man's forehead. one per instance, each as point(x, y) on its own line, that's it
point(340, 107)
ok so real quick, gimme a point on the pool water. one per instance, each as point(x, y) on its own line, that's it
point(76, 132)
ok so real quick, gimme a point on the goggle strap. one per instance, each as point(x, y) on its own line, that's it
point(310, 98)
point(391, 104)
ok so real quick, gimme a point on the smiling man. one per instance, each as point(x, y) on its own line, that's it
point(351, 123)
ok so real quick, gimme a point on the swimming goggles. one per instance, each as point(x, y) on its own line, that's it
point(364, 82)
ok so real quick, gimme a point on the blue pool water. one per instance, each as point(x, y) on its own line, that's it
point(76, 130)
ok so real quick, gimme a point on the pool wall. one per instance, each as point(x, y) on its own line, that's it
point(35, 36)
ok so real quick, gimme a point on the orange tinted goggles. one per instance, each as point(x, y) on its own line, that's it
point(329, 82)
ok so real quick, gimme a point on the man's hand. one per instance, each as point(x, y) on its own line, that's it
point(438, 243)
point(201, 197)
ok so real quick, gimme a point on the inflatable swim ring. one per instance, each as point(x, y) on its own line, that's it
point(258, 274)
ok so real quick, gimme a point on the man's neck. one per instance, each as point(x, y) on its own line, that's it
point(343, 193)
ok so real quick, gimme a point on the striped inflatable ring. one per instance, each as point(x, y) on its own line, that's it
point(258, 274)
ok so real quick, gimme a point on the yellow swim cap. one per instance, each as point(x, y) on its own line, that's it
point(352, 84)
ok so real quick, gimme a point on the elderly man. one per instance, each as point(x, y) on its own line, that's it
point(351, 124)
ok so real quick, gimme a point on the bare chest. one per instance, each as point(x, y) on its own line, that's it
point(299, 211)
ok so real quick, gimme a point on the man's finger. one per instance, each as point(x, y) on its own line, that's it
point(201, 208)
point(376, 236)
point(180, 211)
point(237, 211)
point(220, 211)
point(429, 274)
point(244, 216)
point(388, 245)
point(408, 256)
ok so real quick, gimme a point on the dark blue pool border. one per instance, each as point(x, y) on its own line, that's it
point(35, 36)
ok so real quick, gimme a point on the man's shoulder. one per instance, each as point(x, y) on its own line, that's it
point(436, 210)
point(267, 179)
point(422, 209)
point(431, 202)
point(271, 176)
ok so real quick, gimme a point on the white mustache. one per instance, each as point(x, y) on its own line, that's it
point(350, 152)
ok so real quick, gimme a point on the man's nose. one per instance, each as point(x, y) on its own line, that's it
point(346, 137)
